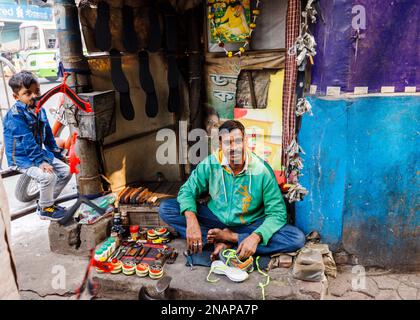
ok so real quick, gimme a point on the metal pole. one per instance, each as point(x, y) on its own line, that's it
point(74, 62)
point(5, 90)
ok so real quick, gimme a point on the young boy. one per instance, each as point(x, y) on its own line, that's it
point(25, 134)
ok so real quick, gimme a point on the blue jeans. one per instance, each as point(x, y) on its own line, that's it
point(50, 184)
point(287, 239)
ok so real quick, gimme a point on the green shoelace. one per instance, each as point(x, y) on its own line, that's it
point(230, 254)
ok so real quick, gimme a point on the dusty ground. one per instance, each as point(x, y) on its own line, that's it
point(46, 275)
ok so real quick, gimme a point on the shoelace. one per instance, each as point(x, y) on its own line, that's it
point(262, 285)
point(210, 272)
point(229, 254)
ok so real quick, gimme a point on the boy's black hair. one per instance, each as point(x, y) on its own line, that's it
point(23, 79)
point(231, 125)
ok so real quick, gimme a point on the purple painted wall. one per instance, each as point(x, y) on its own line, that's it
point(388, 49)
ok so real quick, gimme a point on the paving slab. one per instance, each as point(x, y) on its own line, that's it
point(43, 274)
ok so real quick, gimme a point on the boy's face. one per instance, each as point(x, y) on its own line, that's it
point(27, 96)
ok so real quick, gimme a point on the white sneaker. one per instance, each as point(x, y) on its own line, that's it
point(234, 274)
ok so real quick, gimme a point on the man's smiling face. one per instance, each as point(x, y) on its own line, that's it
point(233, 146)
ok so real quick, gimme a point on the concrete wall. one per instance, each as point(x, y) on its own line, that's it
point(362, 172)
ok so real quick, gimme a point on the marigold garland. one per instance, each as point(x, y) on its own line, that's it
point(211, 16)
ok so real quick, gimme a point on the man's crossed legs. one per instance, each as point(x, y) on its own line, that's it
point(287, 239)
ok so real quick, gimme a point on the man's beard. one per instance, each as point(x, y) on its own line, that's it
point(236, 157)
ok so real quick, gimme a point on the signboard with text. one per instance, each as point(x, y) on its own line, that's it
point(21, 13)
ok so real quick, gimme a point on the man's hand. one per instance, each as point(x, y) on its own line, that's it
point(249, 246)
point(194, 238)
point(46, 167)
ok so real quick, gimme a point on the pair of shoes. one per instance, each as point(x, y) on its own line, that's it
point(52, 213)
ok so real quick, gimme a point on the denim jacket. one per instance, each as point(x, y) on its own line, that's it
point(25, 134)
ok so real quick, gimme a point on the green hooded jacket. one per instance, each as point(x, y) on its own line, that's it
point(237, 200)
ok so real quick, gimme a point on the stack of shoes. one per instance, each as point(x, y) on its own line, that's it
point(116, 266)
point(142, 270)
point(128, 269)
point(134, 196)
point(229, 257)
point(155, 272)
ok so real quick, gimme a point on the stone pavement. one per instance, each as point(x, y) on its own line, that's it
point(378, 284)
point(46, 275)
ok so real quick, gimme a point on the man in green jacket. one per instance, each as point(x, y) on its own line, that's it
point(246, 207)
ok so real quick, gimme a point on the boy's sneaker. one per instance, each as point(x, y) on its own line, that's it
point(59, 207)
point(51, 213)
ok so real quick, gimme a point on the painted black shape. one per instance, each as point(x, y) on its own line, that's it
point(117, 75)
point(155, 34)
point(129, 36)
point(126, 107)
point(147, 84)
point(102, 30)
point(152, 105)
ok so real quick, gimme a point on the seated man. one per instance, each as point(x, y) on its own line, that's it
point(25, 134)
point(246, 207)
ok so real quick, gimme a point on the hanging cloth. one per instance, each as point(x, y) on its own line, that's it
point(289, 88)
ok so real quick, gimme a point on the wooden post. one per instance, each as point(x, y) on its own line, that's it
point(75, 63)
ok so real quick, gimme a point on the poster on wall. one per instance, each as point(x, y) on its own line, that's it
point(231, 21)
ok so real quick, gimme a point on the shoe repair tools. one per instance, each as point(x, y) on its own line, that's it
point(72, 210)
point(117, 266)
point(155, 271)
point(129, 269)
point(187, 255)
point(135, 195)
point(144, 253)
point(172, 257)
point(134, 232)
point(142, 270)
point(63, 88)
point(151, 234)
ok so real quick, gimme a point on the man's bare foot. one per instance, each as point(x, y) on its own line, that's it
point(219, 235)
point(218, 247)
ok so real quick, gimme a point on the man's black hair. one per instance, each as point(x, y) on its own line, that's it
point(231, 125)
point(23, 79)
